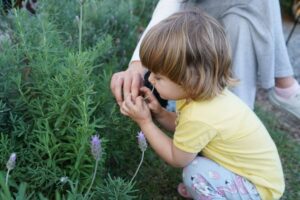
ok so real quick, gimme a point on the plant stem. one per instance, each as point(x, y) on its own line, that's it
point(151, 92)
point(93, 179)
point(137, 170)
point(80, 25)
point(7, 175)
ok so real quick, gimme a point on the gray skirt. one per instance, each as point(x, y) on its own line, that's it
point(254, 29)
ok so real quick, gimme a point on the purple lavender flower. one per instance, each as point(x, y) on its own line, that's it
point(143, 146)
point(96, 152)
point(11, 163)
point(96, 147)
point(142, 141)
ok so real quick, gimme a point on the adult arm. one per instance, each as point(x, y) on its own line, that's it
point(129, 81)
point(164, 9)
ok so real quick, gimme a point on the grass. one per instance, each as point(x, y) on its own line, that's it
point(157, 180)
point(289, 151)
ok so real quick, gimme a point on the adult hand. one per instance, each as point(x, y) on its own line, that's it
point(127, 82)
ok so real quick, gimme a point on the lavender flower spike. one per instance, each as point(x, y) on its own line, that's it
point(142, 141)
point(11, 163)
point(96, 152)
point(96, 147)
point(143, 146)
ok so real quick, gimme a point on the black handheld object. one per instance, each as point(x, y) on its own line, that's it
point(162, 102)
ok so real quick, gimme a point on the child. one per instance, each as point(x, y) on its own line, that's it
point(188, 56)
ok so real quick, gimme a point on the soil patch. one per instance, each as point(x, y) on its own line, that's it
point(286, 121)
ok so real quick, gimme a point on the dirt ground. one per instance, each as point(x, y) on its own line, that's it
point(286, 122)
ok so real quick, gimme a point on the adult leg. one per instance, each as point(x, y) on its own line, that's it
point(243, 57)
point(283, 68)
point(230, 14)
point(286, 93)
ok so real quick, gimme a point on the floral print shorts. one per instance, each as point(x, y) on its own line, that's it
point(207, 180)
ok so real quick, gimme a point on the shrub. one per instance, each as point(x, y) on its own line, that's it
point(286, 6)
point(55, 95)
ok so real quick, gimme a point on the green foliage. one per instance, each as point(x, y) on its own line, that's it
point(100, 18)
point(5, 192)
point(289, 152)
point(286, 5)
point(52, 101)
point(116, 189)
point(53, 98)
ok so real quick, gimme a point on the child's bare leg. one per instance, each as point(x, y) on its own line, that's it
point(284, 82)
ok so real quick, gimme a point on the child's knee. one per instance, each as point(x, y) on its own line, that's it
point(198, 166)
point(195, 177)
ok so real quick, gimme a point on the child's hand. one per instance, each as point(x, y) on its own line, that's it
point(151, 101)
point(136, 109)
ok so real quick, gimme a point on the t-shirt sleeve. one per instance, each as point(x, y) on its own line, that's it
point(193, 136)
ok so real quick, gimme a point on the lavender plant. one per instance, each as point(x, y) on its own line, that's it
point(10, 165)
point(21, 193)
point(50, 100)
point(54, 97)
point(81, 2)
point(143, 147)
point(96, 152)
point(116, 188)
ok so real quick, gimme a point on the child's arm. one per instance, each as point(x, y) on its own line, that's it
point(166, 119)
point(160, 142)
point(160, 114)
point(164, 147)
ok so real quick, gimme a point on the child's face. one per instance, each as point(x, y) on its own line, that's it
point(166, 88)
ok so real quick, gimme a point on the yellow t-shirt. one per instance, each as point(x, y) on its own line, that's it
point(228, 132)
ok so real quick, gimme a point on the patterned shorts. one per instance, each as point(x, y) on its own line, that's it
point(207, 180)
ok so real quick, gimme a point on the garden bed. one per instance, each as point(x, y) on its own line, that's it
point(55, 69)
